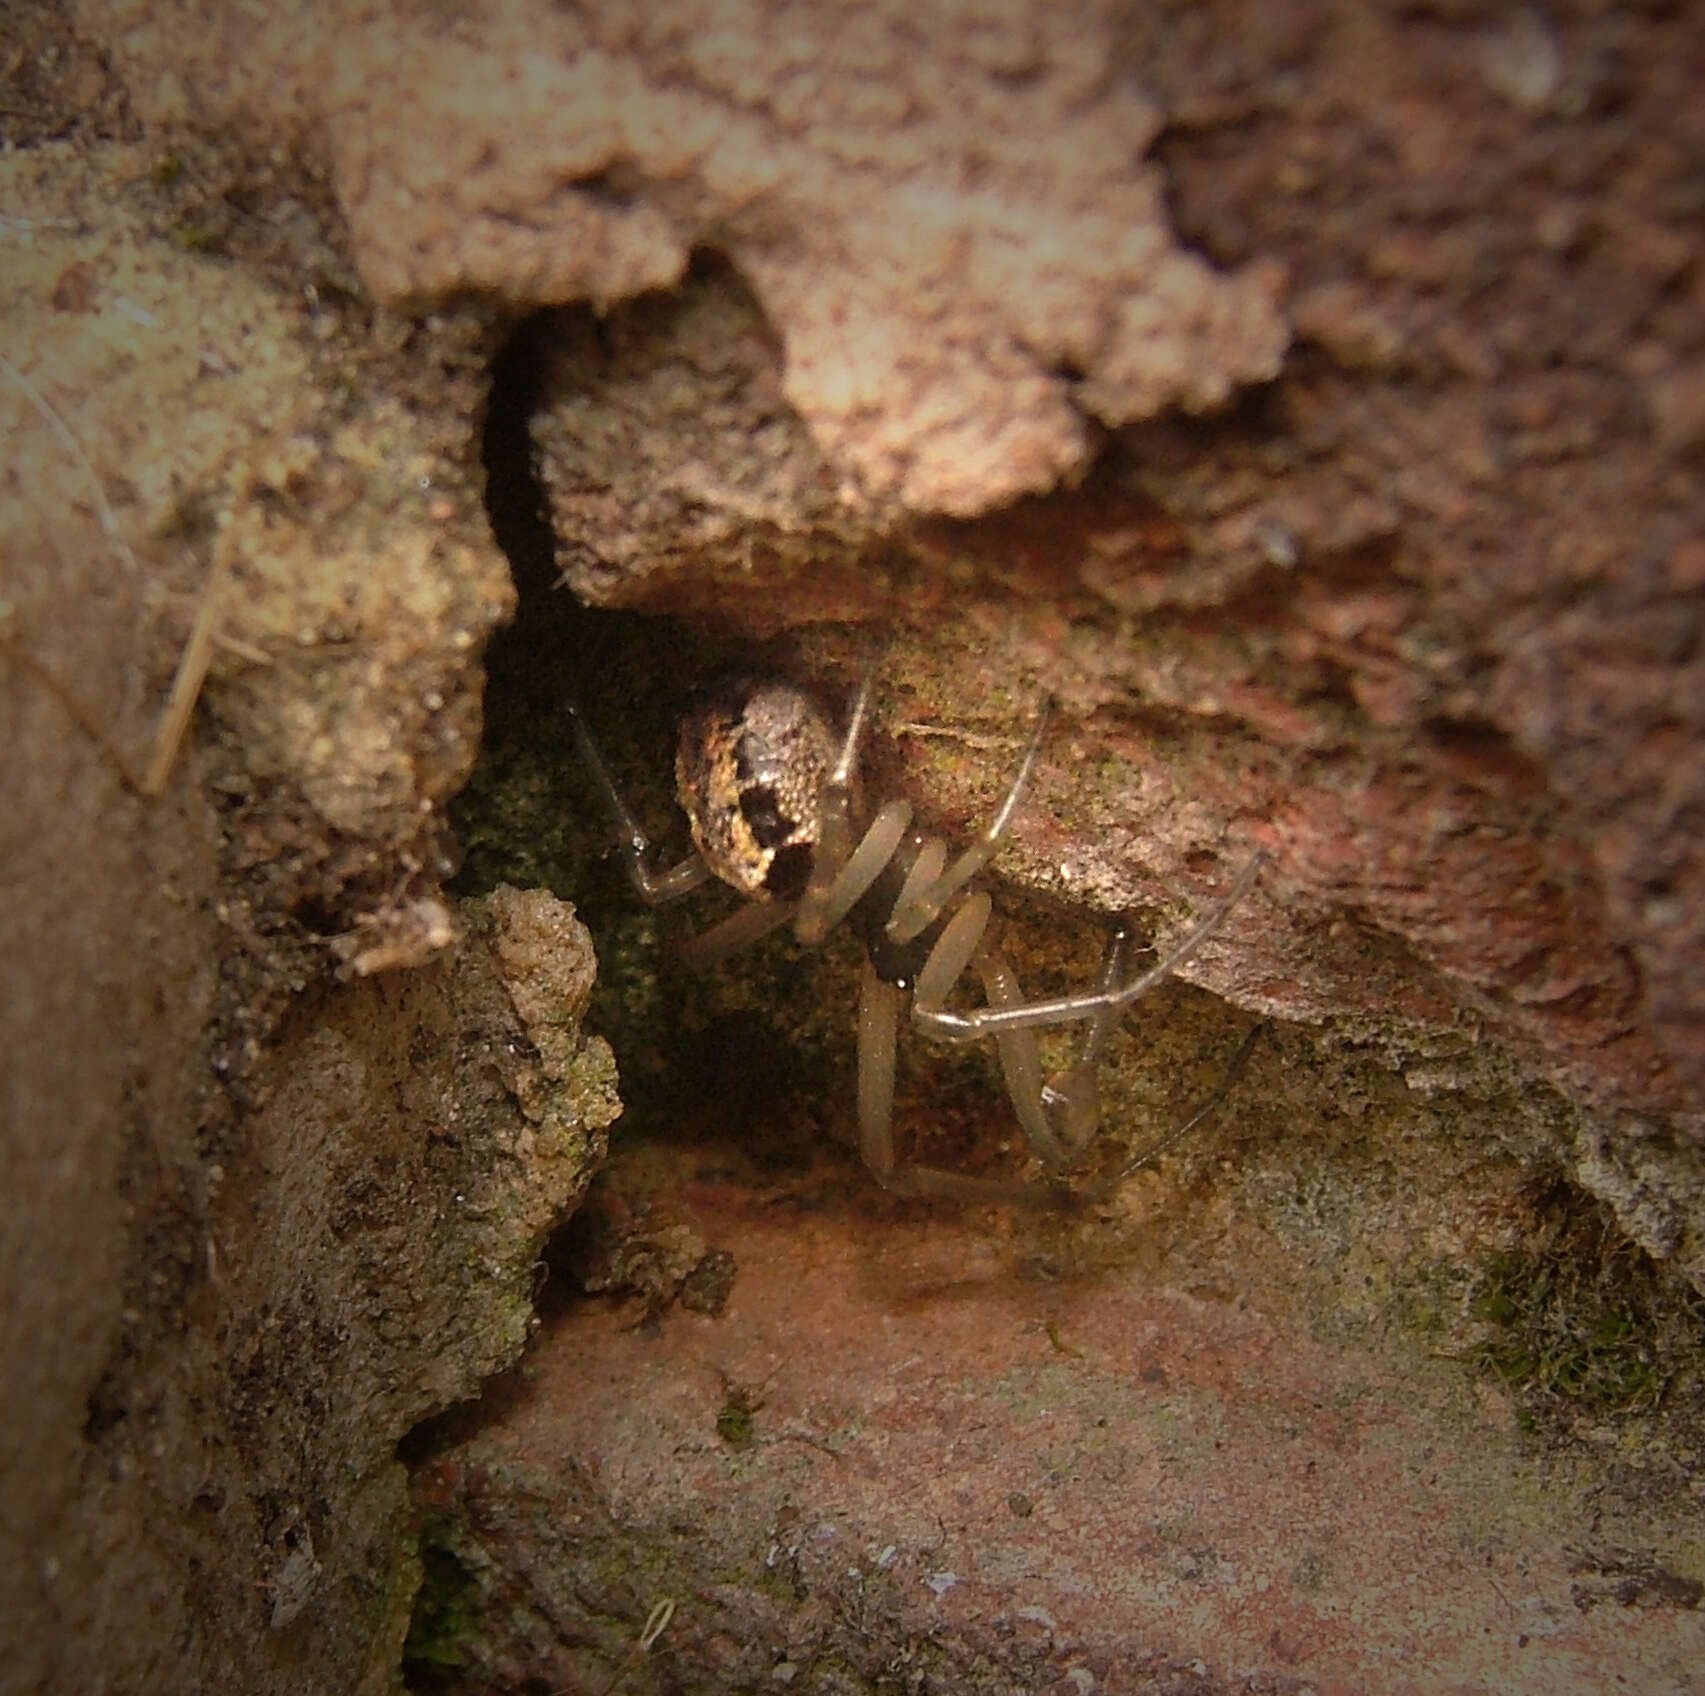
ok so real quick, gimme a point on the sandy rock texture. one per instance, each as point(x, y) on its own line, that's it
point(1305, 399)
point(997, 1481)
point(945, 211)
point(271, 1198)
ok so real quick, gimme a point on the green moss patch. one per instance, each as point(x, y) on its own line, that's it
point(1578, 1317)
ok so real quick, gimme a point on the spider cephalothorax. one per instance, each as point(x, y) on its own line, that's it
point(772, 796)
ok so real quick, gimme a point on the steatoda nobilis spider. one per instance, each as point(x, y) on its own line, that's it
point(773, 799)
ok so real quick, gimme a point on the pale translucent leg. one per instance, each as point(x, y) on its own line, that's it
point(741, 928)
point(1071, 1099)
point(840, 870)
point(655, 886)
point(960, 938)
point(835, 884)
point(928, 888)
point(1058, 1117)
point(1228, 1081)
point(879, 1008)
point(1021, 1064)
point(744, 926)
point(1061, 1115)
point(1067, 1009)
point(965, 940)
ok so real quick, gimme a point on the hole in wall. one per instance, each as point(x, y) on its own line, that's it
point(743, 1076)
point(750, 1067)
point(713, 1061)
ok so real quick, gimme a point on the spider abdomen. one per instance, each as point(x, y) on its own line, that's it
point(750, 767)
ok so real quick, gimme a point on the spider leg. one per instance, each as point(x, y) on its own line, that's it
point(879, 1008)
point(840, 870)
point(1058, 1116)
point(835, 889)
point(928, 888)
point(1021, 1064)
point(1228, 1081)
point(1071, 1099)
point(655, 886)
point(744, 926)
point(964, 941)
point(1068, 1009)
point(959, 941)
point(878, 1022)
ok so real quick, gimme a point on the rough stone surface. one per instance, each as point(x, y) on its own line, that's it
point(375, 1254)
point(944, 211)
point(261, 1221)
point(916, 1462)
point(1423, 618)
point(1419, 612)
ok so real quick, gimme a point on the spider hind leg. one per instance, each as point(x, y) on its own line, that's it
point(879, 1008)
point(1059, 1115)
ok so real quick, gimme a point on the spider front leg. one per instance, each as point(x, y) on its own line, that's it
point(928, 887)
point(655, 887)
point(1068, 1009)
point(1058, 1116)
point(879, 1009)
point(840, 871)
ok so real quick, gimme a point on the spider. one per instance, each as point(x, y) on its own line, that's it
point(776, 811)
